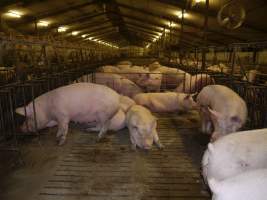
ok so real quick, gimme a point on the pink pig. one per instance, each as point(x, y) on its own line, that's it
point(80, 102)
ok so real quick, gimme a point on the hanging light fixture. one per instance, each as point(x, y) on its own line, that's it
point(14, 14)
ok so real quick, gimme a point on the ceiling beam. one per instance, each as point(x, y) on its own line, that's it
point(179, 21)
point(27, 19)
point(211, 13)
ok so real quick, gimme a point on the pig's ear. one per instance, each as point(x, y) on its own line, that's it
point(214, 114)
point(214, 185)
point(20, 111)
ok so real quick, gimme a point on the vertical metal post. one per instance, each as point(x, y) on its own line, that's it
point(205, 28)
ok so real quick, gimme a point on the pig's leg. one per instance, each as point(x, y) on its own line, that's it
point(133, 143)
point(157, 141)
point(62, 131)
point(157, 106)
point(103, 129)
point(96, 128)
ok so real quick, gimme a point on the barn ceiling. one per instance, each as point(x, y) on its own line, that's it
point(134, 22)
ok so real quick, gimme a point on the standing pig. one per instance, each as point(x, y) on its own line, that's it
point(142, 126)
point(234, 154)
point(195, 83)
point(223, 108)
point(80, 102)
point(166, 102)
point(249, 185)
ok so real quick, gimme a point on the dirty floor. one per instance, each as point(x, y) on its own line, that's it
point(84, 169)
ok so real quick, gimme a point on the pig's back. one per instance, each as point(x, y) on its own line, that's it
point(221, 99)
point(83, 98)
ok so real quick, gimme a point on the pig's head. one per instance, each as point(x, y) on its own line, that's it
point(142, 132)
point(188, 102)
point(29, 125)
point(223, 124)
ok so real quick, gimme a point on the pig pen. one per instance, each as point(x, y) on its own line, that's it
point(85, 169)
point(34, 167)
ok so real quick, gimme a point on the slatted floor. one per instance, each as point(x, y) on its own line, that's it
point(110, 170)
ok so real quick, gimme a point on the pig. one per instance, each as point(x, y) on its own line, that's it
point(153, 66)
point(142, 126)
point(134, 74)
point(79, 102)
point(219, 68)
point(166, 102)
point(221, 108)
point(118, 121)
point(126, 103)
point(192, 84)
point(84, 78)
point(234, 154)
point(251, 76)
point(151, 82)
point(172, 77)
point(109, 69)
point(118, 83)
point(249, 185)
point(124, 64)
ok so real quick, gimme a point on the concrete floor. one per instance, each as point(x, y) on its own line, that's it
point(83, 169)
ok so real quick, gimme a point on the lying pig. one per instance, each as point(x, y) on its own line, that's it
point(126, 103)
point(222, 109)
point(80, 102)
point(142, 127)
point(235, 154)
point(117, 123)
point(192, 84)
point(118, 120)
point(166, 102)
point(109, 69)
point(249, 185)
point(118, 83)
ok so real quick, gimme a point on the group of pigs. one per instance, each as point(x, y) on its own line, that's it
point(233, 164)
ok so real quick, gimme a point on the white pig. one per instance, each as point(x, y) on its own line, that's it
point(166, 102)
point(249, 185)
point(142, 126)
point(118, 83)
point(223, 108)
point(126, 103)
point(118, 121)
point(80, 102)
point(109, 69)
point(235, 154)
point(195, 83)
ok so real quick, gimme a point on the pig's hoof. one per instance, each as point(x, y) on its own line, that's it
point(133, 147)
point(161, 147)
point(61, 141)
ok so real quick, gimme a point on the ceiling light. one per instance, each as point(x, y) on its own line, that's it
point(180, 14)
point(62, 29)
point(14, 13)
point(74, 33)
point(43, 23)
point(84, 35)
